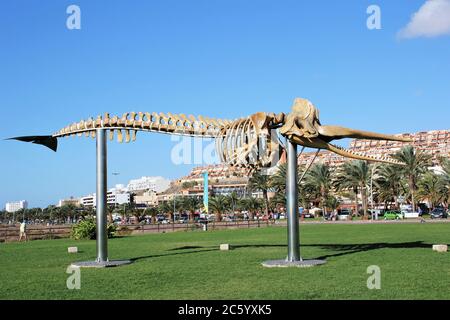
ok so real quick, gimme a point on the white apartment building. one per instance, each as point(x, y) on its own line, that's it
point(16, 206)
point(148, 198)
point(115, 196)
point(156, 184)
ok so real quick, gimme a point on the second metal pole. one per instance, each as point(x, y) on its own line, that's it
point(101, 197)
point(292, 203)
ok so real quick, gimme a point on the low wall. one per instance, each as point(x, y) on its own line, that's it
point(40, 232)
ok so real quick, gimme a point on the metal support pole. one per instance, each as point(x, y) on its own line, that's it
point(102, 260)
point(102, 236)
point(293, 258)
point(292, 203)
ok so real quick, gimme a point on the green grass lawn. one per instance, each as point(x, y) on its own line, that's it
point(188, 265)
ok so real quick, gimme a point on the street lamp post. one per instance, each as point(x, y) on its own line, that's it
point(371, 192)
point(174, 199)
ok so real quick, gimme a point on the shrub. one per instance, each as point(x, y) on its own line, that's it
point(87, 230)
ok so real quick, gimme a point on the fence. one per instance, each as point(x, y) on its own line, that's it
point(11, 233)
point(38, 232)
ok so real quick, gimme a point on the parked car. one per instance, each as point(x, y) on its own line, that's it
point(344, 214)
point(409, 214)
point(438, 213)
point(184, 220)
point(393, 215)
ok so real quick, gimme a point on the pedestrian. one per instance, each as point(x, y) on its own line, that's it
point(23, 231)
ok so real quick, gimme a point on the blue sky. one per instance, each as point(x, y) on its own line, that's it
point(223, 59)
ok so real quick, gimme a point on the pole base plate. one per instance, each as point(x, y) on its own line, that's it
point(298, 264)
point(104, 264)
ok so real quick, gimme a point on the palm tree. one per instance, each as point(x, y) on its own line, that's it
point(278, 183)
point(51, 212)
point(445, 163)
point(279, 199)
point(191, 204)
point(252, 205)
point(333, 203)
point(278, 180)
point(318, 181)
point(356, 175)
point(219, 205)
point(233, 200)
point(125, 210)
point(389, 183)
point(432, 188)
point(110, 211)
point(166, 207)
point(67, 211)
point(416, 164)
point(152, 212)
point(261, 182)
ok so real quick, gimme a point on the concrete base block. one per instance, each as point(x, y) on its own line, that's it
point(105, 264)
point(440, 247)
point(225, 247)
point(298, 264)
point(72, 249)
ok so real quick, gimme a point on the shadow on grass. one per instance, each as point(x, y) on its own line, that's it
point(346, 249)
point(188, 247)
point(338, 249)
point(172, 254)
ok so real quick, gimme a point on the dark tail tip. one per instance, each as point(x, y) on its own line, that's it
point(48, 141)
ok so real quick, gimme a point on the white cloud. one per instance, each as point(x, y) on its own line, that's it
point(432, 20)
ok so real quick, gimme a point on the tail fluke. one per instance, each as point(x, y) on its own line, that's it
point(48, 141)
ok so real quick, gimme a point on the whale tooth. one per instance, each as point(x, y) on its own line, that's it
point(133, 135)
point(119, 136)
point(111, 135)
